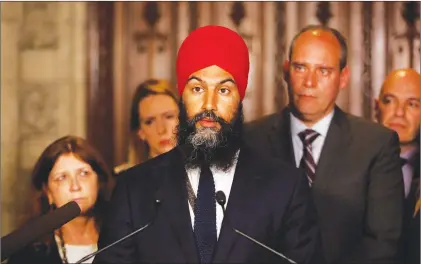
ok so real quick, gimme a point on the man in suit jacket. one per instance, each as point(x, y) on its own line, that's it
point(398, 108)
point(352, 164)
point(267, 199)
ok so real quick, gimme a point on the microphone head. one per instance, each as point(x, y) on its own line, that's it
point(73, 208)
point(38, 227)
point(221, 199)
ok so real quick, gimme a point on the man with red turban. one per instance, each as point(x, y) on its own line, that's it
point(210, 168)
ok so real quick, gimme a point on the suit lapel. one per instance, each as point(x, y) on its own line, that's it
point(338, 137)
point(175, 190)
point(280, 140)
point(238, 205)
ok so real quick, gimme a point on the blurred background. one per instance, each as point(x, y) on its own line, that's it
point(72, 67)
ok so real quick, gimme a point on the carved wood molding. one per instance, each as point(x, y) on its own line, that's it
point(151, 15)
point(237, 15)
point(40, 30)
point(194, 14)
point(324, 13)
point(410, 13)
point(37, 102)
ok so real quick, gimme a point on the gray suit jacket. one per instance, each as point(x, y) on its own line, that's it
point(358, 190)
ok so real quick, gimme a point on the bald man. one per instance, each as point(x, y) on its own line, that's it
point(398, 108)
point(352, 164)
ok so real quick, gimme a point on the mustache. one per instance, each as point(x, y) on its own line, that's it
point(209, 115)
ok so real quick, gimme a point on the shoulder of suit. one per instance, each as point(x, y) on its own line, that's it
point(269, 165)
point(263, 122)
point(368, 126)
point(146, 170)
point(369, 133)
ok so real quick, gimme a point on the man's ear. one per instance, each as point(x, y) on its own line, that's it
point(286, 71)
point(344, 77)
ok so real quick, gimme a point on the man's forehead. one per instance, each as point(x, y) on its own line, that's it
point(318, 45)
point(211, 75)
point(402, 82)
point(213, 70)
point(404, 91)
point(319, 35)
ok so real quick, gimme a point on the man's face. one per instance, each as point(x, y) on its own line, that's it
point(210, 117)
point(398, 107)
point(211, 89)
point(315, 78)
point(211, 98)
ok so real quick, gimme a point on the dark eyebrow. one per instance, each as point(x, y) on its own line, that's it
point(297, 63)
point(394, 97)
point(221, 82)
point(414, 99)
point(388, 95)
point(194, 78)
point(227, 80)
point(148, 118)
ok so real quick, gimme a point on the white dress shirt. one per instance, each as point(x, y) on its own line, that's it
point(223, 182)
point(322, 126)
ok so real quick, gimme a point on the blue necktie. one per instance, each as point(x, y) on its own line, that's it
point(205, 216)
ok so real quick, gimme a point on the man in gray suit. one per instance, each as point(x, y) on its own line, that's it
point(352, 164)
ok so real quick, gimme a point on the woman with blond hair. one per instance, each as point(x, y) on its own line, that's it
point(153, 121)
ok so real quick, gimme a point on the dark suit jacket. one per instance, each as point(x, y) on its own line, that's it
point(358, 190)
point(411, 245)
point(38, 252)
point(269, 201)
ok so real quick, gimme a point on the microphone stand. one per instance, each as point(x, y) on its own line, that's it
point(112, 244)
point(157, 203)
point(221, 199)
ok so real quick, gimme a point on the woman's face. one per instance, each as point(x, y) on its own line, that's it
point(158, 121)
point(72, 179)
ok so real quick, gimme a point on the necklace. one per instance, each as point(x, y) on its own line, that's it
point(62, 247)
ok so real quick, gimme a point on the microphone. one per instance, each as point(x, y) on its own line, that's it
point(38, 227)
point(158, 201)
point(221, 200)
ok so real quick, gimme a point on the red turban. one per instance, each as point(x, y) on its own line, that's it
point(213, 45)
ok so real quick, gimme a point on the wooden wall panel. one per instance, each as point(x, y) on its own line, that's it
point(100, 107)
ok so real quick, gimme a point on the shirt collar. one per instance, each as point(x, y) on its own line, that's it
point(321, 127)
point(410, 153)
point(216, 170)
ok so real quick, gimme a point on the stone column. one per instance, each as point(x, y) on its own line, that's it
point(43, 92)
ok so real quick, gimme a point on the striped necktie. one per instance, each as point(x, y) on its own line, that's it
point(307, 161)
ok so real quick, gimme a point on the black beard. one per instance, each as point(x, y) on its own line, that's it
point(210, 147)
